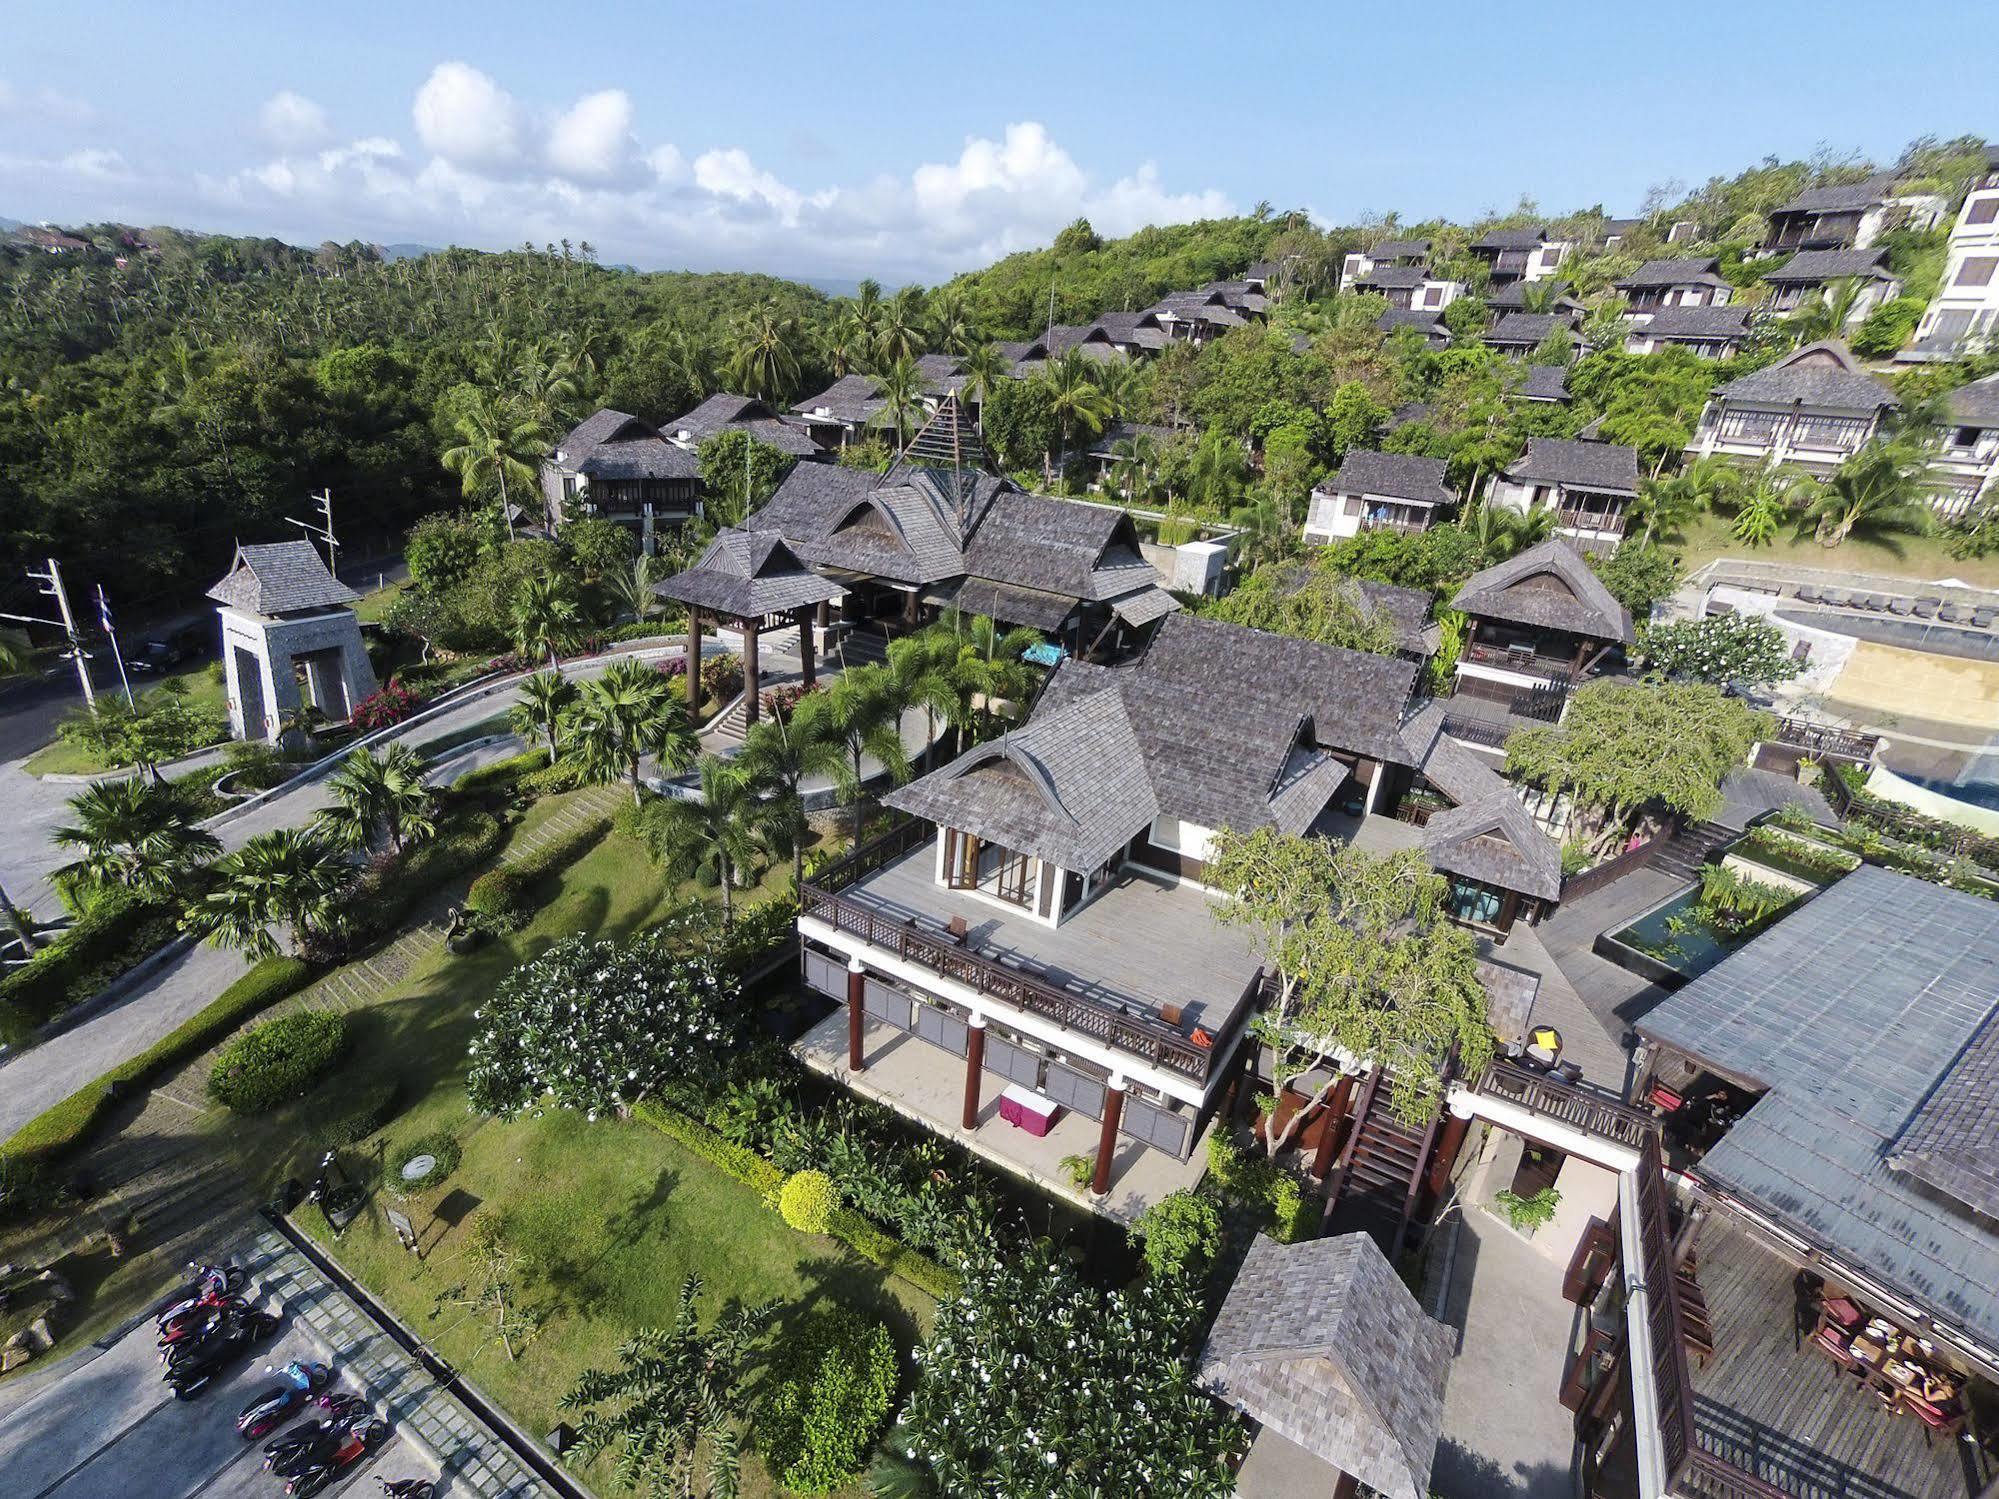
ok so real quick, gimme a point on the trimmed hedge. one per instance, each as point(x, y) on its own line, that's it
point(501, 775)
point(835, 1382)
point(383, 898)
point(507, 895)
point(807, 1201)
point(63, 1127)
point(372, 1108)
point(277, 1061)
point(102, 945)
point(872, 1244)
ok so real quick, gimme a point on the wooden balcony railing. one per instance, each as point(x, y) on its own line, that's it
point(1569, 1104)
point(1105, 1020)
point(1555, 668)
point(1826, 739)
point(1713, 1477)
point(1477, 730)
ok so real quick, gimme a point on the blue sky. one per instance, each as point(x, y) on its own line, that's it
point(915, 140)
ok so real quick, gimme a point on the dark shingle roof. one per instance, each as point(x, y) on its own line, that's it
point(1602, 467)
point(1976, 404)
point(282, 577)
point(1810, 267)
point(1693, 271)
point(1510, 239)
point(723, 412)
point(1122, 431)
point(1488, 834)
point(1513, 298)
point(1140, 328)
point(1430, 324)
point(1550, 586)
point(1696, 323)
point(1526, 328)
point(1322, 1343)
point(1395, 276)
point(614, 445)
point(599, 427)
point(1821, 374)
point(1846, 199)
point(1869, 1015)
point(1543, 382)
point(1402, 476)
point(747, 575)
point(851, 398)
point(1399, 249)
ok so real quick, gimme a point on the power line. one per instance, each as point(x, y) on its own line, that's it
point(323, 530)
point(51, 586)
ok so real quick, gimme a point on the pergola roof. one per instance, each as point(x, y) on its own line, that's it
point(1548, 586)
point(1323, 1344)
point(748, 575)
point(281, 577)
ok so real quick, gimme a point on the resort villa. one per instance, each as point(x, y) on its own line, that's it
point(1589, 485)
point(1378, 491)
point(1815, 408)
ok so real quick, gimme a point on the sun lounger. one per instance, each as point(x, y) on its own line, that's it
point(1835, 597)
point(1877, 602)
point(1951, 614)
point(1808, 594)
point(1982, 618)
point(1900, 606)
point(1927, 608)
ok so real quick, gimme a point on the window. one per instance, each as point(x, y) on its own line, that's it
point(1470, 901)
point(1982, 211)
point(1976, 271)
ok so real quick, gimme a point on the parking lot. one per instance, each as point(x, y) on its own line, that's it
point(110, 1429)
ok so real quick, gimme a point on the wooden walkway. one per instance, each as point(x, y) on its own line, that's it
point(1770, 1406)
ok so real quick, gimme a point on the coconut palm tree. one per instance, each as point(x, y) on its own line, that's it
point(132, 835)
point(289, 878)
point(1502, 532)
point(1134, 475)
point(862, 714)
point(901, 390)
point(1826, 315)
point(378, 797)
point(544, 610)
point(899, 333)
point(991, 673)
point(1665, 505)
point(623, 716)
point(546, 698)
point(1882, 492)
point(984, 368)
point(1216, 476)
point(1075, 398)
point(778, 754)
point(920, 665)
point(718, 835)
point(951, 324)
point(498, 447)
point(764, 360)
point(18, 920)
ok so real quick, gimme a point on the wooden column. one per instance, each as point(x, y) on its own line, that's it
point(693, 663)
point(857, 992)
point(824, 614)
point(975, 1062)
point(750, 673)
point(1450, 1140)
point(1329, 1146)
point(805, 647)
point(1107, 1140)
point(1346, 1487)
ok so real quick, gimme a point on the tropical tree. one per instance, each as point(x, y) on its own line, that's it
point(991, 672)
point(1503, 532)
point(920, 667)
point(1719, 648)
point(1882, 492)
point(862, 714)
point(1665, 505)
point(1134, 475)
point(1217, 472)
point(984, 368)
point(544, 610)
point(628, 713)
point(1075, 398)
point(545, 701)
point(778, 754)
point(763, 359)
point(132, 835)
point(15, 651)
point(713, 836)
point(899, 331)
point(498, 447)
point(1826, 315)
point(952, 327)
point(632, 588)
point(677, 1394)
point(288, 878)
point(17, 919)
point(378, 797)
point(901, 390)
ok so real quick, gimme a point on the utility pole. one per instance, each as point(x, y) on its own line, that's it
point(51, 587)
point(111, 634)
point(323, 528)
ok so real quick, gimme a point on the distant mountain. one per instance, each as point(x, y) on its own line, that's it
point(8, 226)
point(407, 252)
point(833, 286)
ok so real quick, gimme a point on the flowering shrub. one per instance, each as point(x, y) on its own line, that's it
point(597, 1026)
point(807, 1201)
point(385, 709)
point(781, 702)
point(673, 668)
point(1720, 648)
point(722, 676)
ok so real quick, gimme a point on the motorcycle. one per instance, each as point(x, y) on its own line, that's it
point(198, 1320)
point(354, 1444)
point(209, 1281)
point(269, 1408)
point(310, 1441)
point(200, 1364)
point(406, 1488)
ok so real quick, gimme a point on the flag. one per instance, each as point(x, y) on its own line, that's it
point(104, 611)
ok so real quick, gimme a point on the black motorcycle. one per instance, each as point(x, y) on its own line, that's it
point(195, 1366)
point(406, 1488)
point(313, 1441)
point(360, 1438)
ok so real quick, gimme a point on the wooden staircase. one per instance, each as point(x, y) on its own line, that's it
point(1375, 1187)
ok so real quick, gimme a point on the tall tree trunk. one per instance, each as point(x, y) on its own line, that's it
point(18, 922)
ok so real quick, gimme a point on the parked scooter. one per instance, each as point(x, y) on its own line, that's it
point(193, 1367)
point(209, 1281)
point(311, 1441)
point(198, 1320)
point(354, 1444)
point(299, 1383)
point(406, 1488)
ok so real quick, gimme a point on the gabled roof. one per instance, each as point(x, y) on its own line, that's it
point(1513, 298)
point(1526, 328)
point(1322, 1343)
point(1399, 249)
point(940, 373)
point(1852, 197)
point(1868, 1013)
point(1511, 239)
point(1091, 339)
point(1810, 267)
point(1394, 276)
point(1695, 324)
point(1820, 374)
point(1401, 476)
point(280, 577)
point(747, 575)
point(1430, 324)
point(600, 427)
point(1542, 382)
point(1976, 404)
point(1139, 328)
point(852, 399)
point(1601, 467)
point(724, 412)
point(1121, 431)
point(852, 519)
point(613, 445)
point(1549, 586)
point(1488, 834)
point(1696, 270)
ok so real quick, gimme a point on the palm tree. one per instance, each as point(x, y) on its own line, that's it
point(382, 796)
point(863, 716)
point(984, 368)
point(544, 608)
point(1502, 532)
point(777, 756)
point(1121, 382)
point(1134, 474)
point(133, 835)
point(23, 928)
point(1217, 473)
point(1762, 500)
point(289, 878)
point(496, 444)
point(623, 716)
point(1075, 398)
point(716, 834)
point(1882, 492)
point(1826, 315)
point(920, 666)
point(677, 1394)
point(14, 651)
point(900, 330)
point(633, 588)
point(764, 362)
point(546, 698)
point(991, 670)
point(901, 392)
point(951, 329)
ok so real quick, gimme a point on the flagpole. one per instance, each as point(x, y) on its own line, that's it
point(104, 618)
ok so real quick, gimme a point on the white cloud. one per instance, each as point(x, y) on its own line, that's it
point(667, 164)
point(292, 122)
point(42, 102)
point(729, 173)
point(593, 138)
point(97, 164)
point(464, 116)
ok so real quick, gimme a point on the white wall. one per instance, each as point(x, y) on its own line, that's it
point(1186, 838)
point(1969, 241)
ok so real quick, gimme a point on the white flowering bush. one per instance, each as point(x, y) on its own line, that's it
point(1035, 1385)
point(597, 1026)
point(1720, 648)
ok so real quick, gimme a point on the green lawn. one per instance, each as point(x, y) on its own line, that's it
point(1921, 557)
point(375, 603)
point(204, 689)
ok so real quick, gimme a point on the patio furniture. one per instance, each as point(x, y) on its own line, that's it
point(1025, 1109)
point(1808, 593)
point(1951, 614)
point(1835, 597)
point(1664, 1099)
point(1927, 608)
point(1900, 606)
point(957, 929)
point(1982, 618)
point(1875, 602)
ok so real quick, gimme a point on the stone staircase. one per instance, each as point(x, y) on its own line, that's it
point(585, 806)
point(1683, 857)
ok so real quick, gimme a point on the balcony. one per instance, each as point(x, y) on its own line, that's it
point(1110, 972)
point(1524, 658)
